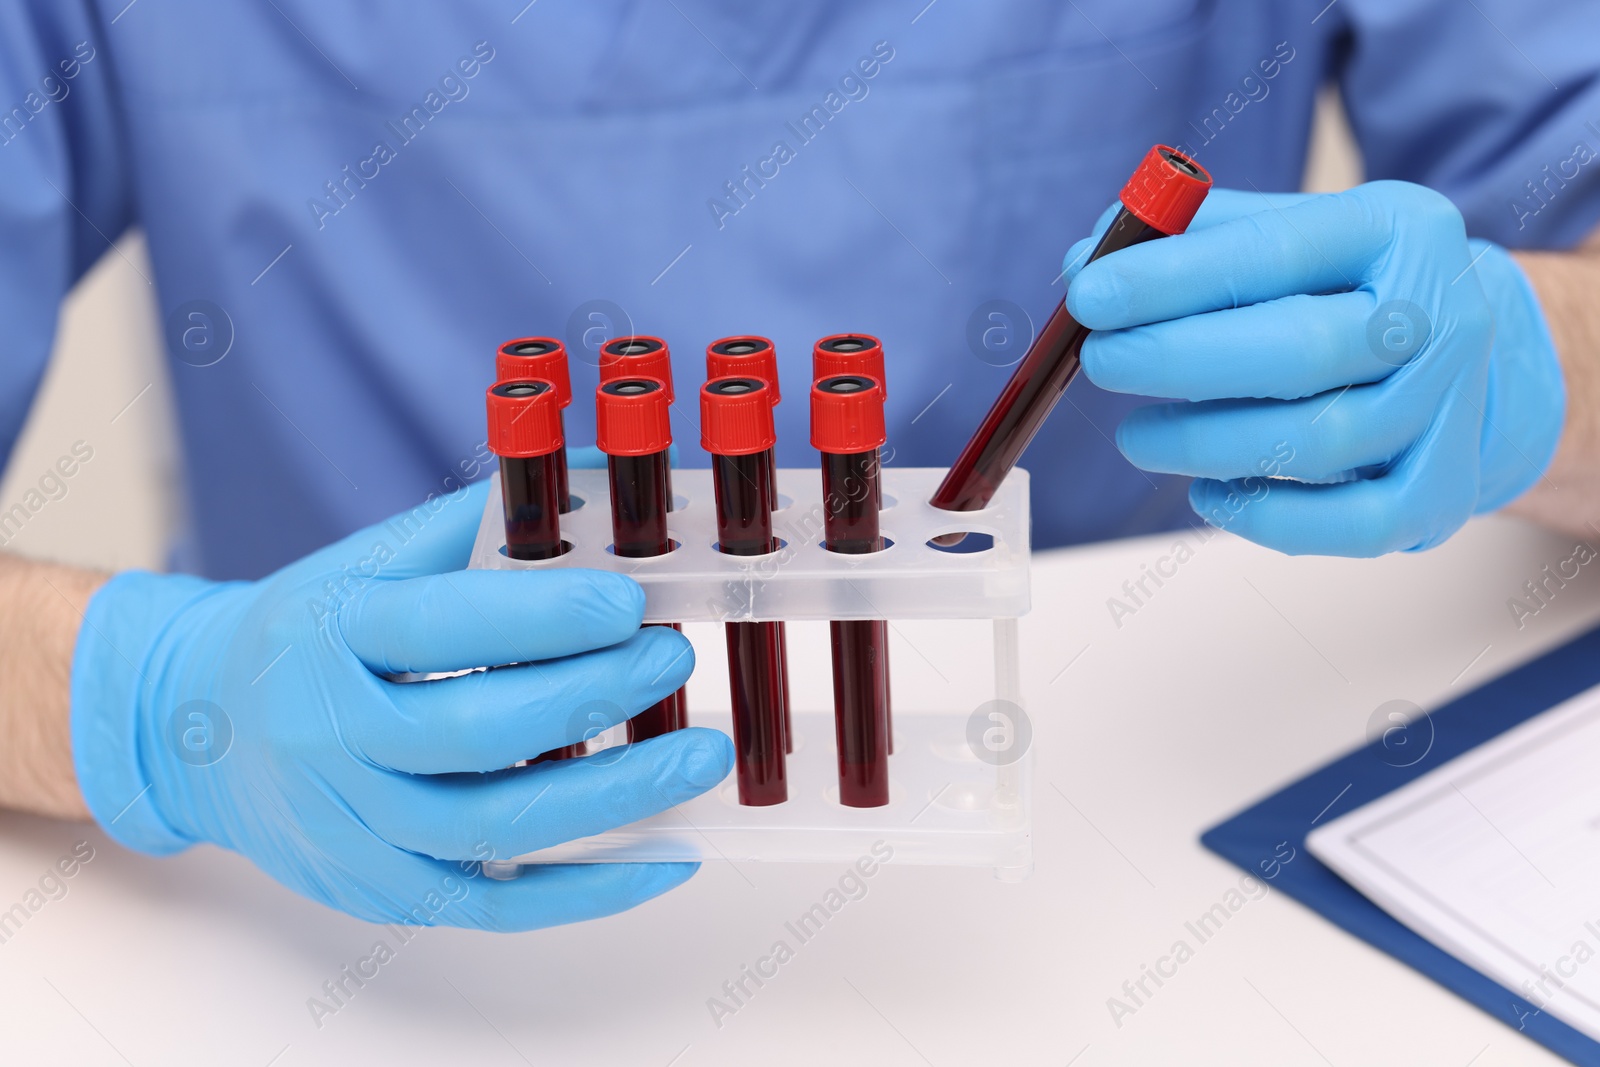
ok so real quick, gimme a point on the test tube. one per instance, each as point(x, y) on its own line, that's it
point(755, 357)
point(544, 359)
point(847, 428)
point(647, 357)
point(637, 357)
point(736, 428)
point(633, 430)
point(849, 353)
point(525, 432)
point(1159, 200)
point(749, 357)
point(859, 353)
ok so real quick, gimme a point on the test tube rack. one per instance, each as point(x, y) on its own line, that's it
point(950, 803)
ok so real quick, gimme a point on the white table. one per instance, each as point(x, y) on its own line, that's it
point(1243, 671)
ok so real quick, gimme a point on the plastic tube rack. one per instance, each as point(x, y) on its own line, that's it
point(956, 797)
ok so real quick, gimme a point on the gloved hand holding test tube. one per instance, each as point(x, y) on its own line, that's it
point(1159, 200)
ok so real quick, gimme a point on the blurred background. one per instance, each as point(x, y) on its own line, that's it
point(108, 386)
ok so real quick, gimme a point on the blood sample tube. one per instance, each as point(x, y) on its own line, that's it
point(849, 353)
point(755, 357)
point(1160, 199)
point(736, 428)
point(525, 432)
point(749, 357)
point(847, 428)
point(633, 430)
point(647, 357)
point(637, 357)
point(862, 354)
point(540, 358)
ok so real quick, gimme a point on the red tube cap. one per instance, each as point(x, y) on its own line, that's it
point(736, 416)
point(1166, 190)
point(637, 357)
point(751, 357)
point(535, 358)
point(631, 417)
point(849, 353)
point(524, 418)
point(847, 414)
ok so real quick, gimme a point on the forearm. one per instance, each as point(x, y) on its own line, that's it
point(1567, 498)
point(41, 608)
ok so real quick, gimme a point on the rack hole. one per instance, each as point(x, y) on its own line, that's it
point(574, 502)
point(897, 796)
point(566, 546)
point(673, 544)
point(716, 546)
point(965, 797)
point(962, 542)
point(888, 543)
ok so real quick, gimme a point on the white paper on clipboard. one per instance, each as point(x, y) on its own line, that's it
point(1495, 857)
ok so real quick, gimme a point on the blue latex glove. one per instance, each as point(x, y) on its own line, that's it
point(1358, 343)
point(256, 715)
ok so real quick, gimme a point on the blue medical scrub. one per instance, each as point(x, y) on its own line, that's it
point(356, 201)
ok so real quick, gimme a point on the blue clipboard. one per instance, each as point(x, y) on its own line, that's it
point(1249, 838)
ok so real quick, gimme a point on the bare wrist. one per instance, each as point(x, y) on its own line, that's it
point(41, 609)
